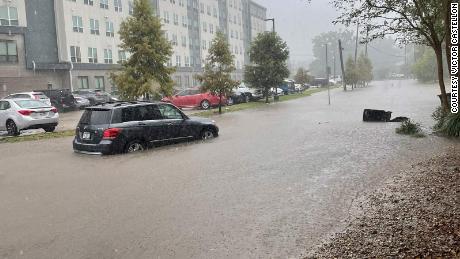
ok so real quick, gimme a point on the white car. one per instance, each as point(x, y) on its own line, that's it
point(278, 90)
point(248, 93)
point(23, 114)
point(39, 96)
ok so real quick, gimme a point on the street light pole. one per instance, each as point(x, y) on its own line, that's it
point(327, 78)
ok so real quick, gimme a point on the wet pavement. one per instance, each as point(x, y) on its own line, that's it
point(277, 181)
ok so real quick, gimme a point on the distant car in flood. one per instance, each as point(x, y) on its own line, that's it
point(194, 98)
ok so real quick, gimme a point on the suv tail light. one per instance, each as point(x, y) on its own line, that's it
point(54, 110)
point(111, 133)
point(25, 112)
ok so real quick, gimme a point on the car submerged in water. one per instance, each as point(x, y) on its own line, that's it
point(127, 127)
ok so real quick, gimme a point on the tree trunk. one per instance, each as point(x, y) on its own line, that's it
point(442, 86)
point(266, 95)
point(220, 102)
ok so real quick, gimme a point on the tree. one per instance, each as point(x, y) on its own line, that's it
point(145, 72)
point(216, 77)
point(268, 68)
point(364, 69)
point(412, 21)
point(425, 67)
point(302, 76)
point(351, 75)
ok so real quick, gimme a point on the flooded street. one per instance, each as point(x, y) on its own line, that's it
point(276, 181)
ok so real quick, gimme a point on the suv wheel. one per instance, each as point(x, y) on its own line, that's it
point(247, 98)
point(11, 128)
point(134, 146)
point(49, 129)
point(205, 105)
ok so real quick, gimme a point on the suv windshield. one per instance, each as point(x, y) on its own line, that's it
point(96, 117)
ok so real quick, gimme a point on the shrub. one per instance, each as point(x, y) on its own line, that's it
point(451, 125)
point(446, 123)
point(439, 115)
point(410, 128)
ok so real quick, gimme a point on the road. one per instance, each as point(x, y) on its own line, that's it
point(276, 182)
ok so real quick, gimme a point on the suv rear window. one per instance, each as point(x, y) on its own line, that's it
point(40, 96)
point(96, 117)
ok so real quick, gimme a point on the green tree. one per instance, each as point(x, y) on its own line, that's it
point(268, 68)
point(145, 72)
point(216, 77)
point(425, 67)
point(364, 69)
point(351, 74)
point(302, 76)
point(423, 22)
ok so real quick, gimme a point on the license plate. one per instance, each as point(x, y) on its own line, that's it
point(42, 114)
point(86, 135)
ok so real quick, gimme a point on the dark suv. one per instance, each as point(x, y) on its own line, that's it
point(62, 99)
point(125, 127)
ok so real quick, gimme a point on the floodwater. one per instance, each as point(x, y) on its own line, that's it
point(275, 183)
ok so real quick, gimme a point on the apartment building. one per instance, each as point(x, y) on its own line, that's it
point(74, 43)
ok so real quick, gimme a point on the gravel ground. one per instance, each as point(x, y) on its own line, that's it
point(414, 215)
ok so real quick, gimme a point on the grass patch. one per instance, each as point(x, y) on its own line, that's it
point(410, 128)
point(256, 104)
point(39, 136)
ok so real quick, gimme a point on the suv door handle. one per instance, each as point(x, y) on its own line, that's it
point(142, 124)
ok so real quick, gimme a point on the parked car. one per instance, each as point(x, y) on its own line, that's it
point(36, 95)
point(279, 91)
point(81, 102)
point(126, 127)
point(243, 94)
point(23, 114)
point(192, 98)
point(288, 86)
point(299, 88)
point(62, 99)
point(94, 96)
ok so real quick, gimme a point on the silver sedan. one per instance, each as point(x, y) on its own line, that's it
point(23, 114)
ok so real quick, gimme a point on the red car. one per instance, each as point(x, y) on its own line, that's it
point(192, 98)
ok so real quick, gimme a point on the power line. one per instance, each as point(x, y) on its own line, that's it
point(383, 52)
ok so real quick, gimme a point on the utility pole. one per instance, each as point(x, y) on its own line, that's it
point(341, 65)
point(334, 64)
point(367, 37)
point(327, 78)
point(356, 47)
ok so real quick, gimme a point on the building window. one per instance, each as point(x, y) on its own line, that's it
point(178, 61)
point(205, 27)
point(176, 19)
point(109, 31)
point(201, 8)
point(130, 7)
point(203, 45)
point(108, 59)
point(75, 54)
point(100, 84)
point(166, 17)
point(121, 56)
point(77, 23)
point(94, 26)
point(83, 82)
point(174, 40)
point(8, 52)
point(88, 2)
point(104, 4)
point(92, 55)
point(187, 61)
point(8, 16)
point(211, 28)
point(184, 21)
point(117, 5)
point(184, 41)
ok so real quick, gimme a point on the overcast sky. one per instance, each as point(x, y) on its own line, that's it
point(299, 22)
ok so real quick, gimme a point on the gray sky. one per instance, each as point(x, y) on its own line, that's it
point(299, 22)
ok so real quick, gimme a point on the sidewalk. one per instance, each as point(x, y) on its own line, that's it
point(415, 215)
